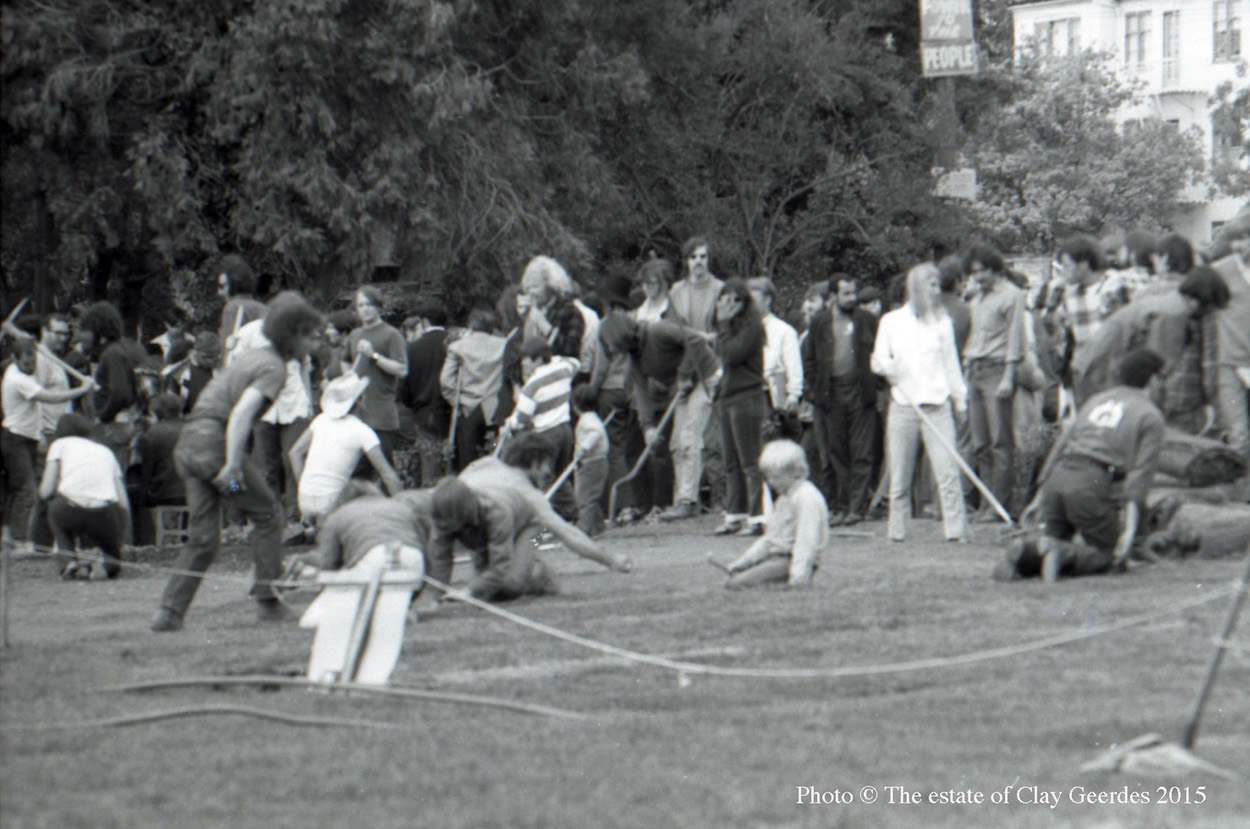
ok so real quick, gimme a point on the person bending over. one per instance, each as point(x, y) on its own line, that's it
point(495, 509)
point(1102, 472)
point(798, 526)
point(86, 495)
point(212, 458)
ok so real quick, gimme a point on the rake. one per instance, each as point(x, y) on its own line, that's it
point(642, 459)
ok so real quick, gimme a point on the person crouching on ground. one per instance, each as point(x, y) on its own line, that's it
point(326, 454)
point(1103, 467)
point(86, 495)
point(797, 529)
point(212, 458)
point(495, 509)
point(591, 456)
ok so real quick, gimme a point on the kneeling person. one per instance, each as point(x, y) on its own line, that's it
point(1103, 469)
point(403, 525)
point(495, 509)
point(798, 526)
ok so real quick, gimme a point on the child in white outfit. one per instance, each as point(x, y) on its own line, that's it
point(797, 528)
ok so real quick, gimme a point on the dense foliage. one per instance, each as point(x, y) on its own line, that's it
point(336, 141)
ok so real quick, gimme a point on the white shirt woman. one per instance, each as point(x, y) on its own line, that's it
point(915, 351)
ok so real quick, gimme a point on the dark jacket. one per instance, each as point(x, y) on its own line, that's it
point(740, 347)
point(420, 390)
point(160, 482)
point(818, 358)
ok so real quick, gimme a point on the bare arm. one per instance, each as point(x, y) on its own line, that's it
point(576, 540)
point(51, 477)
point(390, 479)
point(299, 454)
point(238, 430)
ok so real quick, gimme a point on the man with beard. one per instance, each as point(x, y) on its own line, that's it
point(843, 388)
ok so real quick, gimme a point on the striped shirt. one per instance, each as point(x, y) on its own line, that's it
point(1087, 306)
point(544, 400)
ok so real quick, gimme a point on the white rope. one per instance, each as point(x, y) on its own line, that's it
point(687, 668)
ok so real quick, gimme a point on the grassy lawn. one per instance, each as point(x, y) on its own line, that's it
point(653, 752)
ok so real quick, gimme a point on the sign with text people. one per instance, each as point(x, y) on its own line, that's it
point(946, 43)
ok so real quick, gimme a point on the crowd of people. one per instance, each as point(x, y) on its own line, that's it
point(284, 418)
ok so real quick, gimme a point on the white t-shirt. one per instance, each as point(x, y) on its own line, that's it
point(22, 415)
point(333, 452)
point(88, 471)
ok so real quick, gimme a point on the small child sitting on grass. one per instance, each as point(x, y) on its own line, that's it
point(591, 451)
point(797, 527)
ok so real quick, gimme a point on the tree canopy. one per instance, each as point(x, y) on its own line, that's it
point(445, 143)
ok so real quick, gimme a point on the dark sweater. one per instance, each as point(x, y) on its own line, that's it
point(420, 391)
point(740, 347)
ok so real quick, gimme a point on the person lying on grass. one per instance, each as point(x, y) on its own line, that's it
point(495, 509)
point(797, 528)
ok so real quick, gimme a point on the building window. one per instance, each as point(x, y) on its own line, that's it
point(1171, 48)
point(1058, 37)
point(1226, 139)
point(1136, 33)
point(1226, 30)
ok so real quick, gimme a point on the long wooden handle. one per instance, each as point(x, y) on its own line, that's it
point(642, 458)
point(13, 331)
point(1213, 668)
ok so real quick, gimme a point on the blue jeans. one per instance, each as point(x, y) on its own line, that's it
point(199, 455)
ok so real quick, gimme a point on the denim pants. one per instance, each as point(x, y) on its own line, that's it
point(19, 469)
point(513, 573)
point(741, 418)
point(904, 433)
point(686, 443)
point(105, 527)
point(199, 455)
point(273, 442)
point(589, 483)
point(993, 427)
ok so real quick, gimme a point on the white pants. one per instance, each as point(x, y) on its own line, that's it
point(903, 433)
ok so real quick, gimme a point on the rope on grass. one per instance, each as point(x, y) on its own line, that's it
point(685, 669)
point(354, 687)
point(202, 711)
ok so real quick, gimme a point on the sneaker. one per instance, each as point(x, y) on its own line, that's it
point(728, 527)
point(70, 571)
point(836, 519)
point(271, 610)
point(165, 621)
point(851, 519)
point(749, 529)
point(679, 511)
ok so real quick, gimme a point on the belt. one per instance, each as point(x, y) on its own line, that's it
point(1115, 473)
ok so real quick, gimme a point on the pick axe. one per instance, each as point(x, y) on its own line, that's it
point(18, 334)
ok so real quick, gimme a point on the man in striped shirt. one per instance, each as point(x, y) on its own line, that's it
point(543, 408)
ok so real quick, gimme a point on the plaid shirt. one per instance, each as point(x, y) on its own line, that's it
point(1086, 306)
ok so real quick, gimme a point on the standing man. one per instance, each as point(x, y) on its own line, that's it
point(1089, 296)
point(380, 355)
point(420, 392)
point(842, 386)
point(783, 363)
point(236, 284)
point(211, 456)
point(693, 301)
point(1231, 367)
point(992, 355)
point(473, 373)
point(22, 399)
point(54, 336)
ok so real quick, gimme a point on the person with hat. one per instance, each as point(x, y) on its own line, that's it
point(330, 448)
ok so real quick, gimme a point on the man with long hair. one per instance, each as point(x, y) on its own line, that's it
point(211, 455)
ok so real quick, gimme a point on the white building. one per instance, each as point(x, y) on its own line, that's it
point(1181, 51)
